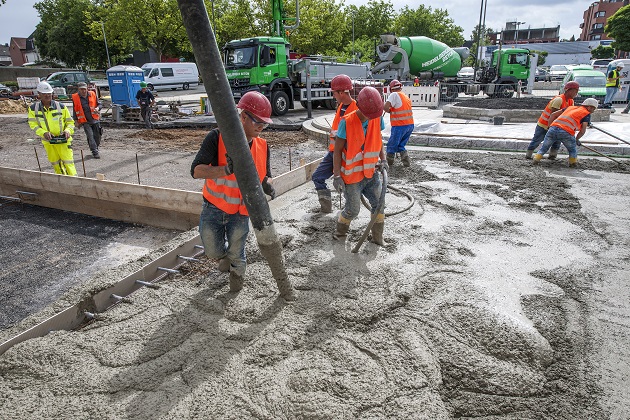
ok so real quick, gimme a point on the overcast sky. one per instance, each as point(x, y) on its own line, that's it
point(18, 18)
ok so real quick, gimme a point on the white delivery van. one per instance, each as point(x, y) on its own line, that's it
point(170, 75)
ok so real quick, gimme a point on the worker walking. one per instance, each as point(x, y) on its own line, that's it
point(612, 85)
point(86, 113)
point(559, 102)
point(341, 85)
point(398, 105)
point(564, 124)
point(146, 100)
point(52, 121)
point(224, 221)
point(358, 148)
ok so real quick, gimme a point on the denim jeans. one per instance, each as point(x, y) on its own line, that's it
point(558, 134)
point(93, 134)
point(224, 235)
point(539, 136)
point(323, 172)
point(610, 94)
point(398, 138)
point(368, 187)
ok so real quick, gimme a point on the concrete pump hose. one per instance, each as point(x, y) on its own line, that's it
point(412, 201)
point(380, 208)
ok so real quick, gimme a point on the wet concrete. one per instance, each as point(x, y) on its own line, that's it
point(500, 295)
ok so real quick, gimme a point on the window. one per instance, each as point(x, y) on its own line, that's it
point(167, 72)
point(81, 77)
point(596, 37)
point(598, 26)
point(69, 77)
point(518, 59)
point(600, 14)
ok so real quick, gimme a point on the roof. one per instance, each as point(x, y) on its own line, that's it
point(20, 42)
point(5, 51)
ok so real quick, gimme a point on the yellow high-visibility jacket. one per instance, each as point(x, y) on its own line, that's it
point(55, 119)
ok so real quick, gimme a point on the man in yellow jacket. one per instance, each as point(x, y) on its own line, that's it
point(52, 121)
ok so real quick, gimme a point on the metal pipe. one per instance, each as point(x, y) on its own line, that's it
point(210, 63)
point(168, 270)
point(601, 154)
point(138, 168)
point(191, 259)
point(37, 157)
point(610, 134)
point(147, 284)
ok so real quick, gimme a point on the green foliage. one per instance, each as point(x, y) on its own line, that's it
point(371, 20)
point(542, 57)
point(617, 27)
point(322, 27)
point(485, 40)
point(603, 51)
point(424, 21)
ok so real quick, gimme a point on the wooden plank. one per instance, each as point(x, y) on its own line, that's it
point(292, 179)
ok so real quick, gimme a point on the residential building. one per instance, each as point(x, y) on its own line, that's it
point(23, 51)
point(5, 55)
point(595, 18)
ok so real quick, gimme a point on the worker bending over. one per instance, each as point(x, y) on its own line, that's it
point(52, 121)
point(358, 148)
point(564, 124)
point(559, 102)
point(398, 105)
point(224, 221)
point(341, 85)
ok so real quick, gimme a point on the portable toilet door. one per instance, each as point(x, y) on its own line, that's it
point(124, 83)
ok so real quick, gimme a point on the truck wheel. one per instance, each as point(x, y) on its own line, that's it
point(331, 104)
point(505, 91)
point(279, 103)
point(185, 86)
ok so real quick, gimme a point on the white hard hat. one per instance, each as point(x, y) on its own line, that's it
point(620, 64)
point(44, 87)
point(591, 102)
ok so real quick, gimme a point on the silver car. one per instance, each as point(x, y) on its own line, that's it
point(558, 72)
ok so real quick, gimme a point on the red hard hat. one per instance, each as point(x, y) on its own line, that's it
point(572, 85)
point(257, 104)
point(395, 85)
point(341, 82)
point(370, 102)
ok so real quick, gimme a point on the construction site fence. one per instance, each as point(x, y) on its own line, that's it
point(456, 92)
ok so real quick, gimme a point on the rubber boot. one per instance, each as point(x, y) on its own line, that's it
point(224, 265)
point(536, 158)
point(528, 154)
point(236, 282)
point(390, 158)
point(343, 225)
point(325, 200)
point(573, 162)
point(553, 154)
point(404, 157)
point(377, 230)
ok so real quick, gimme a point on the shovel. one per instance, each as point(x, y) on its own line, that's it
point(601, 154)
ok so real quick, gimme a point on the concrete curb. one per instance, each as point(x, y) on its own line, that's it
point(510, 115)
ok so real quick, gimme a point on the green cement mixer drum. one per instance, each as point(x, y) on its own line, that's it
point(426, 54)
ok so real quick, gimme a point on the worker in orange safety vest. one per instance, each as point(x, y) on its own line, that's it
point(358, 153)
point(398, 105)
point(86, 112)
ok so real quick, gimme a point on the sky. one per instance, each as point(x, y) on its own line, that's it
point(19, 18)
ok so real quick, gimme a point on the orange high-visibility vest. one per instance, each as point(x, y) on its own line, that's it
point(333, 129)
point(544, 117)
point(402, 115)
point(223, 192)
point(571, 119)
point(360, 156)
point(78, 109)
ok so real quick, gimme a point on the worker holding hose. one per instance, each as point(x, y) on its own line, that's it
point(358, 153)
point(224, 221)
point(340, 85)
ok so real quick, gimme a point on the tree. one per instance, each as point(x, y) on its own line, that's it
point(484, 37)
point(603, 51)
point(322, 27)
point(424, 21)
point(542, 57)
point(617, 28)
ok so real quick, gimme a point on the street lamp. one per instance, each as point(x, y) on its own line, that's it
point(518, 24)
point(109, 63)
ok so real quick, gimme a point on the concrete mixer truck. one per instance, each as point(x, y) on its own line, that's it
point(408, 58)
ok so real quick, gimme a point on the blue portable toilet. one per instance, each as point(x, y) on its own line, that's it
point(124, 83)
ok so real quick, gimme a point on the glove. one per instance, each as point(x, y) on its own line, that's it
point(268, 188)
point(338, 184)
point(229, 168)
point(382, 164)
point(579, 143)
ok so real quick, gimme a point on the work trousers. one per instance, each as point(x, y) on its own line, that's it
point(370, 188)
point(224, 235)
point(61, 157)
point(93, 134)
point(323, 172)
point(398, 138)
point(558, 134)
point(610, 94)
point(539, 136)
point(146, 116)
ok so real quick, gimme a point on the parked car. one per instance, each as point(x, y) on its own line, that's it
point(170, 75)
point(5, 91)
point(67, 79)
point(592, 83)
point(542, 75)
point(601, 64)
point(558, 72)
point(466, 73)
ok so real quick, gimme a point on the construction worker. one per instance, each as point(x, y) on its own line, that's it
point(398, 105)
point(146, 100)
point(358, 148)
point(86, 113)
point(224, 221)
point(563, 126)
point(52, 121)
point(340, 85)
point(559, 102)
point(612, 85)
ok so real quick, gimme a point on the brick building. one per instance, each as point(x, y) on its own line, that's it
point(595, 18)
